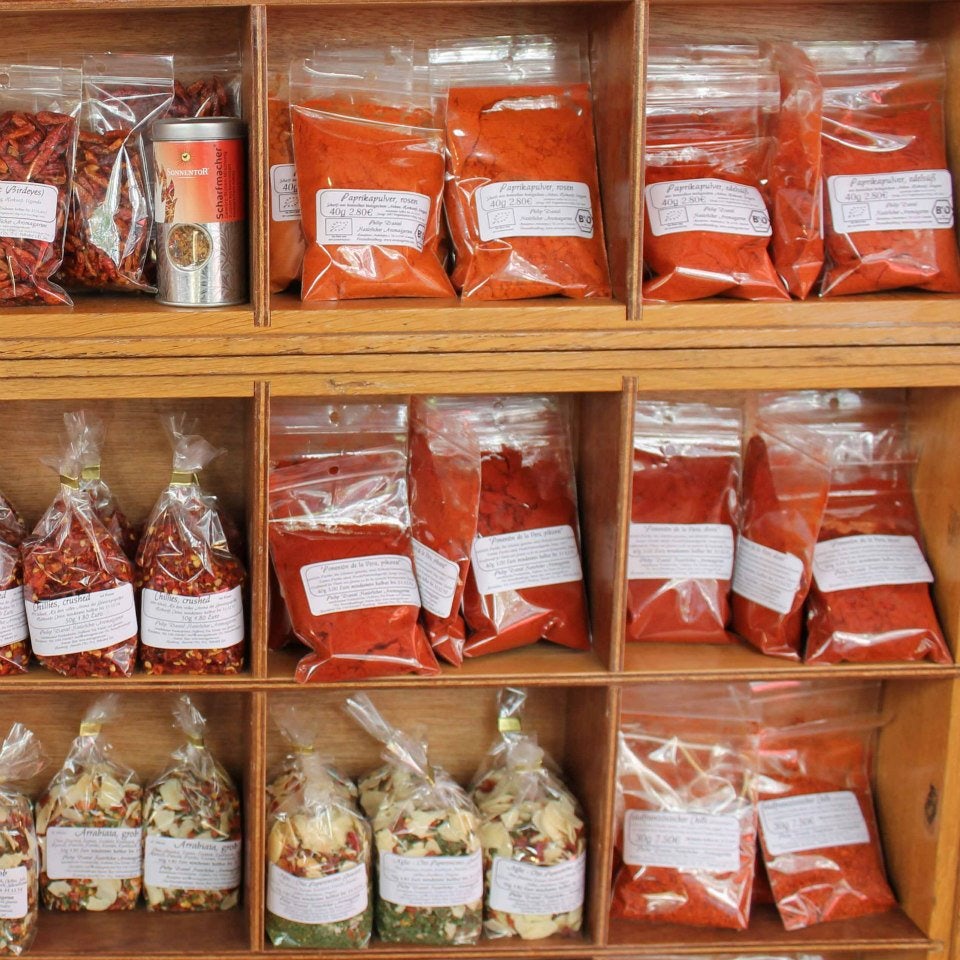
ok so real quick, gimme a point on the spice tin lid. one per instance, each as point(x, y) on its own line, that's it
point(199, 128)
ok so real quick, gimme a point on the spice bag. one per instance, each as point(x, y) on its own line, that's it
point(110, 226)
point(515, 597)
point(510, 707)
point(38, 142)
point(89, 823)
point(286, 233)
point(706, 230)
point(888, 210)
point(206, 86)
point(389, 783)
point(430, 869)
point(21, 759)
point(14, 633)
point(78, 586)
point(369, 161)
point(523, 193)
point(818, 829)
point(340, 542)
point(686, 467)
point(444, 497)
point(191, 604)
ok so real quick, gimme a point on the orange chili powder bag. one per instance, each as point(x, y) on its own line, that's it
point(522, 196)
point(286, 234)
point(889, 194)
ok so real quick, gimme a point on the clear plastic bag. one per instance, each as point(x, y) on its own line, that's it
point(14, 632)
point(21, 759)
point(191, 604)
point(39, 105)
point(206, 86)
point(110, 226)
point(193, 800)
point(286, 232)
point(91, 811)
point(510, 706)
point(523, 194)
point(442, 899)
point(686, 471)
point(706, 230)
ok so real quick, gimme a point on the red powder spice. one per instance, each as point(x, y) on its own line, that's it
point(286, 233)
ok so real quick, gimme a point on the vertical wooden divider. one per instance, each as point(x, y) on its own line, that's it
point(259, 186)
point(255, 817)
point(259, 552)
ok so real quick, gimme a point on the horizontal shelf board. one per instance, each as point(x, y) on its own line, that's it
point(508, 947)
point(38, 678)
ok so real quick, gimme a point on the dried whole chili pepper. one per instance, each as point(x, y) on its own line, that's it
point(14, 633)
point(206, 97)
point(286, 233)
point(686, 466)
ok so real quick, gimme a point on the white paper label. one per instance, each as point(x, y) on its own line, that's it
point(14, 887)
point(767, 577)
point(431, 881)
point(708, 206)
point(908, 200)
point(13, 616)
point(317, 899)
point(88, 621)
point(181, 863)
point(849, 563)
point(812, 821)
point(93, 853)
point(527, 888)
point(534, 208)
point(397, 218)
point(28, 210)
point(173, 622)
point(437, 579)
point(284, 199)
point(682, 841)
point(680, 551)
point(527, 558)
point(382, 580)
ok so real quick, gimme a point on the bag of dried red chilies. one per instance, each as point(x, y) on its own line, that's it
point(686, 468)
point(206, 86)
point(888, 210)
point(191, 600)
point(38, 140)
point(110, 226)
point(706, 230)
point(78, 586)
point(286, 231)
point(369, 158)
point(14, 634)
point(523, 194)
point(339, 533)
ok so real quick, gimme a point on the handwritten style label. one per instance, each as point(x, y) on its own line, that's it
point(173, 622)
point(534, 890)
point(682, 841)
point(870, 560)
point(331, 899)
point(88, 621)
point(812, 821)
point(359, 583)
point(767, 577)
point(526, 558)
point(437, 578)
point(396, 218)
point(28, 211)
point(431, 881)
point(284, 196)
point(14, 888)
point(907, 200)
point(534, 208)
point(706, 205)
point(182, 863)
point(680, 551)
point(93, 853)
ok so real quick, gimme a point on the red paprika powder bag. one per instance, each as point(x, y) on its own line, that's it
point(522, 196)
point(191, 600)
point(889, 193)
point(285, 233)
point(14, 635)
point(686, 467)
point(706, 230)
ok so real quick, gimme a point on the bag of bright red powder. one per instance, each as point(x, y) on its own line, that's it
point(888, 209)
point(706, 230)
point(686, 468)
point(14, 635)
point(339, 533)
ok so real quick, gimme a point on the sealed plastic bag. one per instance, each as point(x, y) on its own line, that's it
point(191, 604)
point(341, 546)
point(89, 824)
point(430, 869)
point(706, 230)
point(14, 633)
point(110, 226)
point(191, 827)
point(686, 468)
point(286, 232)
point(368, 150)
point(523, 194)
point(206, 86)
point(21, 759)
point(78, 586)
point(510, 706)
point(888, 209)
point(38, 142)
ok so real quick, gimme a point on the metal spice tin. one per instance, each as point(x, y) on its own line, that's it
point(200, 202)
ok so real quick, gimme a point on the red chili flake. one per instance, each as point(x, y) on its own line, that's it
point(15, 649)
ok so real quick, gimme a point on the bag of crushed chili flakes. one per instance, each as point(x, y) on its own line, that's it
point(21, 759)
point(286, 232)
point(523, 192)
point(706, 230)
point(191, 827)
point(78, 585)
point(888, 210)
point(14, 632)
point(686, 470)
point(89, 824)
point(191, 604)
point(339, 532)
point(430, 866)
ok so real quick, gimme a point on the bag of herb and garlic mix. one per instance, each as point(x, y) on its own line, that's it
point(192, 830)
point(430, 876)
point(510, 706)
point(89, 822)
point(392, 780)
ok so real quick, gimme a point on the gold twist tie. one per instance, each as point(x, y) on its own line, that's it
point(182, 478)
point(509, 725)
point(195, 740)
point(304, 749)
point(72, 482)
point(89, 729)
point(90, 473)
